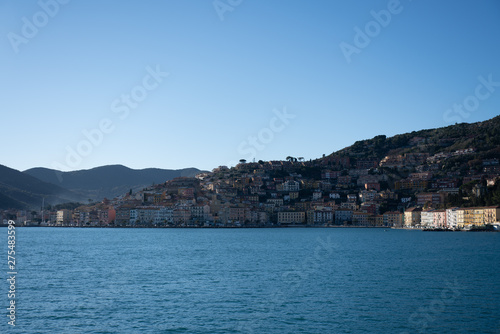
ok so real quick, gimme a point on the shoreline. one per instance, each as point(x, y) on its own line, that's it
point(202, 227)
point(261, 227)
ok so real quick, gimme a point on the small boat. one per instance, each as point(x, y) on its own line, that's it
point(437, 229)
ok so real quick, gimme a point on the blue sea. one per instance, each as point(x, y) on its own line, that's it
point(288, 280)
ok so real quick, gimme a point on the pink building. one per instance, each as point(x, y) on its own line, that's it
point(106, 216)
point(440, 219)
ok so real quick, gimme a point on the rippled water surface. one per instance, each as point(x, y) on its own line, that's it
point(336, 280)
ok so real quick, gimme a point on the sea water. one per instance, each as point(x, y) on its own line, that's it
point(279, 280)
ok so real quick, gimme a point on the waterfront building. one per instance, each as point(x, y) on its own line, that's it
point(427, 218)
point(320, 216)
point(440, 220)
point(291, 217)
point(362, 219)
point(64, 216)
point(452, 218)
point(343, 216)
point(412, 217)
point(393, 219)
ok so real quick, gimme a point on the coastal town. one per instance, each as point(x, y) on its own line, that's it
point(399, 191)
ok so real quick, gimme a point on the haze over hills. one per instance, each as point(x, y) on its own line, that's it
point(19, 190)
point(108, 181)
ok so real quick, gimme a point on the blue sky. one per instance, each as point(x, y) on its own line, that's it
point(175, 83)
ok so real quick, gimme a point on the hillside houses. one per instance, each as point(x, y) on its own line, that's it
point(400, 190)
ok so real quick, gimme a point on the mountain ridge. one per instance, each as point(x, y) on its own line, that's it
point(107, 181)
point(19, 190)
point(482, 136)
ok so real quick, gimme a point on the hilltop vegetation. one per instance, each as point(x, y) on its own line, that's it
point(483, 136)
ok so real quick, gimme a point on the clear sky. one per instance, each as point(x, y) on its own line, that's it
point(176, 83)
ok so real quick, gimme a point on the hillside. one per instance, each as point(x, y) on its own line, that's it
point(484, 137)
point(19, 191)
point(108, 181)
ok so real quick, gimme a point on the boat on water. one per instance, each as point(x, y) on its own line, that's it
point(438, 230)
point(486, 228)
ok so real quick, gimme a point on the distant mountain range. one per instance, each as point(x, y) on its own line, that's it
point(19, 190)
point(26, 190)
point(108, 181)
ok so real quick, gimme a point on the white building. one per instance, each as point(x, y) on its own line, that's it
point(291, 185)
point(63, 216)
point(133, 216)
point(427, 218)
point(367, 195)
point(320, 216)
point(317, 195)
point(334, 195)
point(452, 217)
